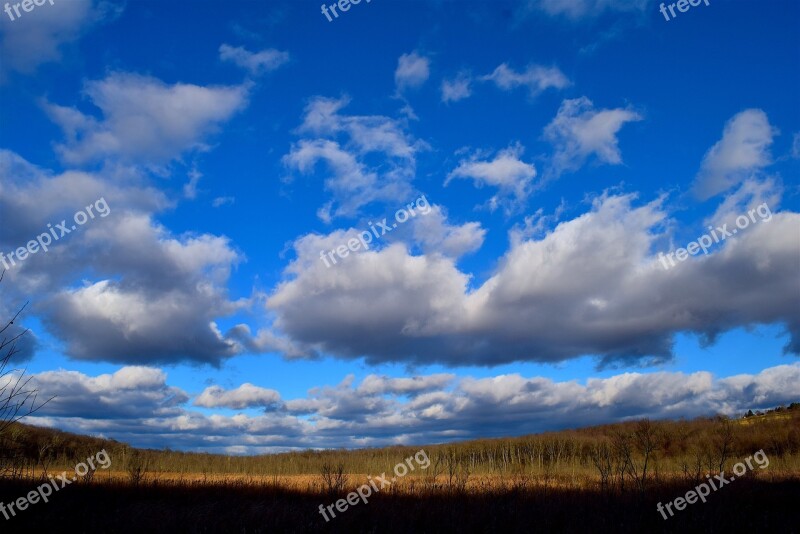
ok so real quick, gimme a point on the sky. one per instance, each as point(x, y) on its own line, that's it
point(244, 228)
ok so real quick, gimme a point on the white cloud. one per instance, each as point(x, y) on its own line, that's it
point(31, 197)
point(536, 78)
point(507, 172)
point(365, 133)
point(223, 201)
point(135, 405)
point(434, 234)
point(457, 89)
point(190, 187)
point(582, 9)
point(162, 308)
point(743, 150)
point(38, 38)
point(342, 142)
point(144, 119)
point(147, 295)
point(131, 392)
point(412, 71)
point(748, 196)
point(400, 297)
point(245, 396)
point(375, 384)
point(256, 63)
point(592, 285)
point(350, 182)
point(579, 131)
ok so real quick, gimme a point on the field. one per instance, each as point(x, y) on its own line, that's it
point(608, 478)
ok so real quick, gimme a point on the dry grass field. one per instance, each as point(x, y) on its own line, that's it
point(608, 479)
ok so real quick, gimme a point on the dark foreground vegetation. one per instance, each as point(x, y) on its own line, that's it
point(748, 505)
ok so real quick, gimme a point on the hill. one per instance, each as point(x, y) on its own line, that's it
point(26, 449)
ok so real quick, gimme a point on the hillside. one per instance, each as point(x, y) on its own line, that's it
point(680, 443)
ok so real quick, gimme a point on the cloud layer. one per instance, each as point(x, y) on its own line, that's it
point(137, 405)
point(592, 285)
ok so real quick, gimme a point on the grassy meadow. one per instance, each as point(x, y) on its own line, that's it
point(608, 477)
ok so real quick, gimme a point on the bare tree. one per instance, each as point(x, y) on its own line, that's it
point(457, 470)
point(623, 457)
point(80, 456)
point(723, 440)
point(333, 477)
point(18, 398)
point(647, 440)
point(436, 468)
point(602, 457)
point(692, 463)
point(45, 447)
point(137, 467)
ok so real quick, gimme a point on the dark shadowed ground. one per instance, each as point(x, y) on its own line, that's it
point(749, 505)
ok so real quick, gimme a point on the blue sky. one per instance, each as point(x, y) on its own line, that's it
point(553, 150)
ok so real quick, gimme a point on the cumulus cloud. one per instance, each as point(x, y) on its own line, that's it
point(131, 392)
point(39, 37)
point(535, 78)
point(412, 71)
point(342, 143)
point(145, 121)
point(580, 131)
point(245, 396)
point(376, 384)
point(161, 309)
point(255, 63)
point(31, 198)
point(136, 405)
point(109, 321)
point(507, 172)
point(147, 296)
point(435, 235)
point(364, 133)
point(592, 285)
point(350, 182)
point(748, 196)
point(398, 297)
point(743, 150)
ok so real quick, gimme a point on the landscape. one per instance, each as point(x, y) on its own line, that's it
point(403, 266)
point(614, 474)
